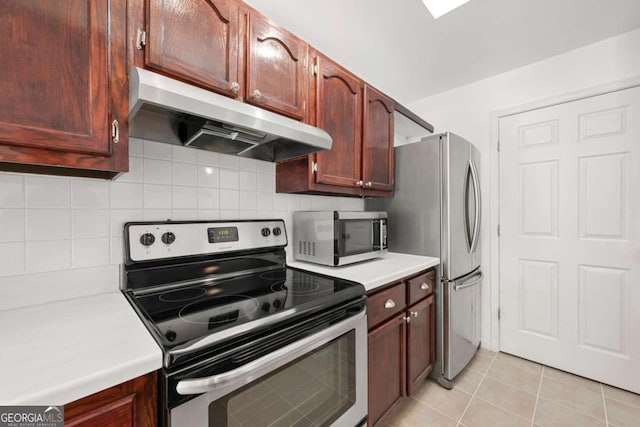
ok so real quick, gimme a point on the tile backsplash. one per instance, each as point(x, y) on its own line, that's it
point(62, 237)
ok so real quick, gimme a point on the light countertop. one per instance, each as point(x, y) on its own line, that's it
point(58, 352)
point(375, 272)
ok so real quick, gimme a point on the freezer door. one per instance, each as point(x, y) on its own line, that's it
point(460, 207)
point(463, 334)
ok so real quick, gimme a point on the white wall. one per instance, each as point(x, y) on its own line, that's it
point(61, 237)
point(467, 111)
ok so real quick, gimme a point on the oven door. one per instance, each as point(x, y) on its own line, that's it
point(318, 380)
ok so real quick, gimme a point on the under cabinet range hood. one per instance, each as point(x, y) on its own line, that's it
point(167, 110)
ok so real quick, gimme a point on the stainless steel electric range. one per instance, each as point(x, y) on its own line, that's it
point(246, 340)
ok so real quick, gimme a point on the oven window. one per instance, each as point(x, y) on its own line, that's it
point(314, 390)
point(356, 237)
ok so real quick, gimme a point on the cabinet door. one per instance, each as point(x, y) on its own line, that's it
point(420, 343)
point(386, 367)
point(339, 112)
point(196, 41)
point(63, 83)
point(276, 68)
point(377, 141)
point(133, 403)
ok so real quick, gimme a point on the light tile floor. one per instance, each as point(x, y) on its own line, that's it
point(497, 389)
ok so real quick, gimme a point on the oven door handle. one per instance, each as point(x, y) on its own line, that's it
point(264, 365)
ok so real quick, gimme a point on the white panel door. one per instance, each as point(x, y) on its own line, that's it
point(570, 237)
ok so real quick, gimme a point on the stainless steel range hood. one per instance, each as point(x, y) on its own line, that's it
point(167, 110)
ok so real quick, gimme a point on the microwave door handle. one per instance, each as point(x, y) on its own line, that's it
point(264, 365)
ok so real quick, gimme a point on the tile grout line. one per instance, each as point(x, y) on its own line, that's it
point(476, 390)
point(535, 407)
point(604, 404)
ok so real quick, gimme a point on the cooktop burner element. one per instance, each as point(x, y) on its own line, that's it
point(230, 309)
point(219, 282)
point(178, 295)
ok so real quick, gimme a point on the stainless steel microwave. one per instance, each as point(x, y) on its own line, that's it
point(339, 237)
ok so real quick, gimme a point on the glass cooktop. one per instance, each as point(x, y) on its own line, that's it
point(226, 308)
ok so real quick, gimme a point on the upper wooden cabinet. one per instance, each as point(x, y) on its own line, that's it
point(377, 141)
point(64, 87)
point(360, 121)
point(195, 41)
point(338, 101)
point(276, 68)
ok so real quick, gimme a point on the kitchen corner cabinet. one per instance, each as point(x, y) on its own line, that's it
point(64, 87)
point(360, 122)
point(133, 403)
point(401, 320)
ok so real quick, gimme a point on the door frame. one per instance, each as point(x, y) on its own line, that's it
point(494, 170)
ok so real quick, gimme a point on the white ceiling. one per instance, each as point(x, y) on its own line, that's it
point(397, 46)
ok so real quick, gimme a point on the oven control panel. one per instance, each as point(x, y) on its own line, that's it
point(159, 240)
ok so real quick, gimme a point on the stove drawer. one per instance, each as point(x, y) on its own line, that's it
point(386, 303)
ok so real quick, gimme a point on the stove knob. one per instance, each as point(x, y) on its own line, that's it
point(171, 336)
point(168, 238)
point(265, 232)
point(147, 239)
point(266, 307)
point(277, 304)
point(277, 231)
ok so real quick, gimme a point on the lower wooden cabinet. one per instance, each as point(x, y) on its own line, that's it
point(133, 403)
point(401, 342)
point(386, 366)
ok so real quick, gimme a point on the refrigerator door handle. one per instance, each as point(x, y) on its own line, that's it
point(471, 281)
point(476, 192)
point(467, 227)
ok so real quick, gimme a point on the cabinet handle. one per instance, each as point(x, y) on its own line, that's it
point(115, 132)
point(415, 313)
point(424, 286)
point(389, 303)
point(256, 94)
point(369, 184)
point(360, 183)
point(235, 87)
point(407, 319)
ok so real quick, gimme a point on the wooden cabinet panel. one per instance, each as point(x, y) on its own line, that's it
point(420, 286)
point(118, 413)
point(420, 343)
point(339, 112)
point(377, 141)
point(196, 41)
point(65, 83)
point(386, 367)
point(276, 68)
point(133, 403)
point(385, 304)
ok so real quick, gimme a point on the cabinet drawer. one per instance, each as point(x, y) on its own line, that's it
point(385, 304)
point(421, 286)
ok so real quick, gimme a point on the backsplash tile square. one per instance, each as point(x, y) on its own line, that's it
point(157, 171)
point(89, 194)
point(72, 228)
point(11, 191)
point(47, 192)
point(48, 255)
point(48, 224)
point(12, 258)
point(12, 227)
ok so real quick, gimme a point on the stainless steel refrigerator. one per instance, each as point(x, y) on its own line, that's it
point(436, 212)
